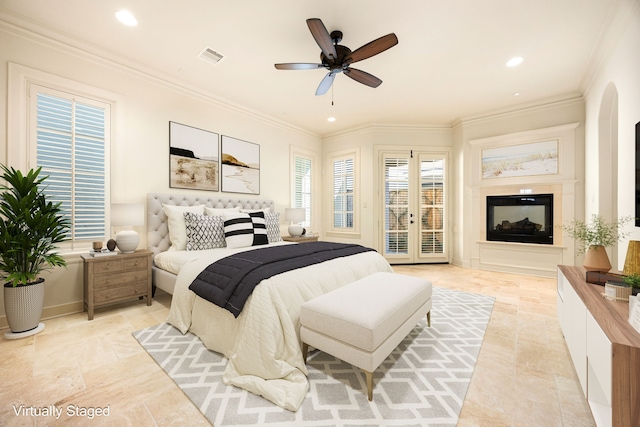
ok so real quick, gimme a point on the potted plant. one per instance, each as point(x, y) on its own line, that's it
point(633, 280)
point(595, 237)
point(30, 228)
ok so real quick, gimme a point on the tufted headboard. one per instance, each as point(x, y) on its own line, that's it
point(157, 229)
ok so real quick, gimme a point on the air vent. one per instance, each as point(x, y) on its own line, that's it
point(210, 55)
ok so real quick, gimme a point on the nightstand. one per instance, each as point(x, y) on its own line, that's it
point(116, 278)
point(300, 239)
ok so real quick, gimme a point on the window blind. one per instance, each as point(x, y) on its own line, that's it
point(302, 187)
point(343, 182)
point(71, 141)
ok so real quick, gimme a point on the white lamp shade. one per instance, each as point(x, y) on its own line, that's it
point(294, 215)
point(127, 215)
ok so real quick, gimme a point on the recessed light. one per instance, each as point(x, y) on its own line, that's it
point(331, 119)
point(516, 94)
point(126, 18)
point(516, 60)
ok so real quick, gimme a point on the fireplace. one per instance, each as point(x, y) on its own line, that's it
point(526, 218)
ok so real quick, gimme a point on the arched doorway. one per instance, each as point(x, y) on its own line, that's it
point(608, 159)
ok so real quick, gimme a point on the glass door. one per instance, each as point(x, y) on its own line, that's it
point(414, 209)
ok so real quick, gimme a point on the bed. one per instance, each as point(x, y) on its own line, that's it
point(262, 344)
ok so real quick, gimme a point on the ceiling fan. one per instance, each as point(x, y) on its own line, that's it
point(338, 59)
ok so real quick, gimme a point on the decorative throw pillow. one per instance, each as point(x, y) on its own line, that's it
point(273, 226)
point(245, 229)
point(177, 227)
point(204, 232)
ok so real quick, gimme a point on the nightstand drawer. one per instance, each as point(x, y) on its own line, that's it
point(120, 293)
point(121, 264)
point(138, 263)
point(117, 279)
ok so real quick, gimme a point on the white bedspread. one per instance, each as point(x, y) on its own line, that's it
point(263, 344)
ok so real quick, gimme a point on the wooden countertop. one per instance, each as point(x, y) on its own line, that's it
point(612, 316)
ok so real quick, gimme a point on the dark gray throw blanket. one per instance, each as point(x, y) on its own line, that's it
point(229, 281)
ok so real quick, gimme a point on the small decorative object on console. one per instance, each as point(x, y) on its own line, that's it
point(600, 278)
point(617, 291)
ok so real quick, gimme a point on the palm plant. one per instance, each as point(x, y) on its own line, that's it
point(30, 227)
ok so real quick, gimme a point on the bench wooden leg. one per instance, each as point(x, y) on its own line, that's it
point(369, 385)
point(429, 319)
point(305, 350)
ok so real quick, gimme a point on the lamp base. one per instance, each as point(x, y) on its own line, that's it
point(127, 241)
point(295, 230)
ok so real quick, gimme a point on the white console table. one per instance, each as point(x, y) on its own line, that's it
point(604, 348)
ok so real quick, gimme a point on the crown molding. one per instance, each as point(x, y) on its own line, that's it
point(618, 20)
point(24, 27)
point(528, 107)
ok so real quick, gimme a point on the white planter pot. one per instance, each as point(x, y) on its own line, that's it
point(23, 307)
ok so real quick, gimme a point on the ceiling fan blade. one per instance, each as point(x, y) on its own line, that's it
point(325, 84)
point(322, 37)
point(298, 66)
point(362, 77)
point(372, 48)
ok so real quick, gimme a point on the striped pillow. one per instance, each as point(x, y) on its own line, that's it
point(245, 229)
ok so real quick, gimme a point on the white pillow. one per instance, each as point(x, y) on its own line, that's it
point(219, 212)
point(177, 227)
point(265, 210)
point(245, 229)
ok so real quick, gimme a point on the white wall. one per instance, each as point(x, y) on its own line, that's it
point(620, 72)
point(366, 141)
point(141, 143)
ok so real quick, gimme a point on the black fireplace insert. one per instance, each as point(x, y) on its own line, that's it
point(523, 218)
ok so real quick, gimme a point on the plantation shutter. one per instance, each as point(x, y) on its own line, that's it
point(302, 187)
point(72, 136)
point(343, 193)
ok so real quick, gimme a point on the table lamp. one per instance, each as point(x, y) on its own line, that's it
point(295, 216)
point(127, 215)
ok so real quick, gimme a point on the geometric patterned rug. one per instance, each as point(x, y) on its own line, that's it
point(422, 383)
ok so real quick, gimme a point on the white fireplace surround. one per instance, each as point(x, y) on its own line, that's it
point(526, 258)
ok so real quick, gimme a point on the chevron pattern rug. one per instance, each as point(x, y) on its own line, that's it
point(422, 383)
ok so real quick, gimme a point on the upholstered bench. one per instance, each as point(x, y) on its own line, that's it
point(364, 321)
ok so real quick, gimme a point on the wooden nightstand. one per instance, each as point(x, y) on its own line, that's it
point(122, 277)
point(300, 239)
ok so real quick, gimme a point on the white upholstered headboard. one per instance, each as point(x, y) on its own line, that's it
point(157, 229)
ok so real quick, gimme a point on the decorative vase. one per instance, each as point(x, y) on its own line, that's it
point(596, 259)
point(23, 307)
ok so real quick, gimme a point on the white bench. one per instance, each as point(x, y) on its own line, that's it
point(364, 321)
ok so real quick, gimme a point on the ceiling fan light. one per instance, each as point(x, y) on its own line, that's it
point(515, 61)
point(125, 17)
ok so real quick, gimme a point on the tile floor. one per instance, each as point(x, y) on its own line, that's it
point(524, 376)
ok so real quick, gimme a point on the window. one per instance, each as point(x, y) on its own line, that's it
point(302, 185)
point(343, 193)
point(71, 138)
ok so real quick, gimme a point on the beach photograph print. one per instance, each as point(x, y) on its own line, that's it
point(193, 158)
point(240, 166)
point(536, 158)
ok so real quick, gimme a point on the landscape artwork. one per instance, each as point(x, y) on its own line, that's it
point(240, 166)
point(193, 158)
point(536, 158)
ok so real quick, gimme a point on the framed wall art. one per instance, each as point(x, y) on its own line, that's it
point(194, 159)
point(535, 158)
point(240, 166)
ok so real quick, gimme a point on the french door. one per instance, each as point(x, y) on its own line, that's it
point(414, 211)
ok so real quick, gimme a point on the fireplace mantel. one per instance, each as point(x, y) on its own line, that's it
point(515, 257)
